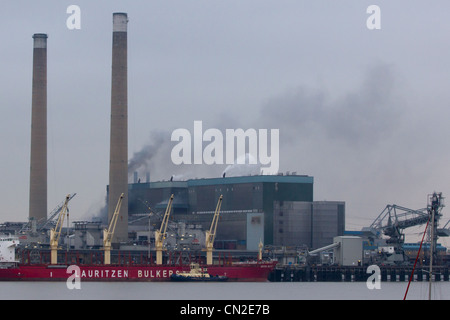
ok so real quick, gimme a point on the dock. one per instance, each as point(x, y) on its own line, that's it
point(355, 273)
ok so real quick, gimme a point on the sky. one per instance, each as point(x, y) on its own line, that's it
point(364, 111)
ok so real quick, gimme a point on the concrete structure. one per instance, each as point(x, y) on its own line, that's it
point(118, 166)
point(349, 252)
point(38, 155)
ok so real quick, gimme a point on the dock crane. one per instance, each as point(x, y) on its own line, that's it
point(211, 234)
point(54, 213)
point(55, 232)
point(394, 219)
point(260, 250)
point(391, 223)
point(160, 234)
point(109, 233)
point(46, 225)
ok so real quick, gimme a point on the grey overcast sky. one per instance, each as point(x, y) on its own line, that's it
point(365, 112)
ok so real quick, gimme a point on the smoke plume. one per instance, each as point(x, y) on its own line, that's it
point(141, 160)
point(363, 116)
point(246, 168)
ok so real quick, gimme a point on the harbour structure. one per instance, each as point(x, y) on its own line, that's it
point(38, 154)
point(264, 207)
point(385, 238)
point(336, 273)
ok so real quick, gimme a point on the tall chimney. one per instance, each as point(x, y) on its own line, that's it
point(118, 164)
point(38, 156)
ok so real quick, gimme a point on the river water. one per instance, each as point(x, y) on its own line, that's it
point(221, 291)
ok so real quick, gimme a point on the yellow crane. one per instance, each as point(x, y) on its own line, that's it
point(109, 233)
point(160, 234)
point(211, 234)
point(260, 251)
point(55, 232)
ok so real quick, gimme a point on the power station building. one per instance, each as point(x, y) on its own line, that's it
point(276, 209)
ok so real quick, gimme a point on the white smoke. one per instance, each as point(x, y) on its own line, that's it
point(243, 167)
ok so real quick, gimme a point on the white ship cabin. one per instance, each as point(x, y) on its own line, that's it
point(8, 248)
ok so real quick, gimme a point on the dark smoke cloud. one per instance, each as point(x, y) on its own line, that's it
point(364, 115)
point(141, 160)
point(359, 118)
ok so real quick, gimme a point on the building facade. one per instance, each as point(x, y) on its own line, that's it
point(310, 223)
point(273, 209)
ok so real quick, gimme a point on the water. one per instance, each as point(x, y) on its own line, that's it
point(221, 291)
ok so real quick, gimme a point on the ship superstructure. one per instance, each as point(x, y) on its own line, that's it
point(8, 246)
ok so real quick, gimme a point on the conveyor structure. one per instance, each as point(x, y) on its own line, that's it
point(391, 223)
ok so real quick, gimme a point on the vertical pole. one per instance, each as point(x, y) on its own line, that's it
point(431, 254)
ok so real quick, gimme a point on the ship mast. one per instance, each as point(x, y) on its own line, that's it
point(436, 203)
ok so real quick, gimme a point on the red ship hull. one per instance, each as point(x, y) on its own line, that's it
point(257, 272)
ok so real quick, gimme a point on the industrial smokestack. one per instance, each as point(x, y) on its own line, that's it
point(38, 156)
point(118, 164)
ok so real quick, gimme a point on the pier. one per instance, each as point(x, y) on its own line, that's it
point(355, 273)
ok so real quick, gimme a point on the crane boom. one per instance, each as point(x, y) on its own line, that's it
point(109, 233)
point(393, 219)
point(161, 233)
point(211, 234)
point(55, 232)
point(55, 212)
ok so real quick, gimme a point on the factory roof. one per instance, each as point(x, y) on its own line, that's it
point(227, 180)
point(252, 179)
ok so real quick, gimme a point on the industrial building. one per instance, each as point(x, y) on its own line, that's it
point(276, 210)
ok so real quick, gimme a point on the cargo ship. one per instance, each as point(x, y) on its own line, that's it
point(12, 270)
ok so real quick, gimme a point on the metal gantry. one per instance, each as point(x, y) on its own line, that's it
point(392, 221)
